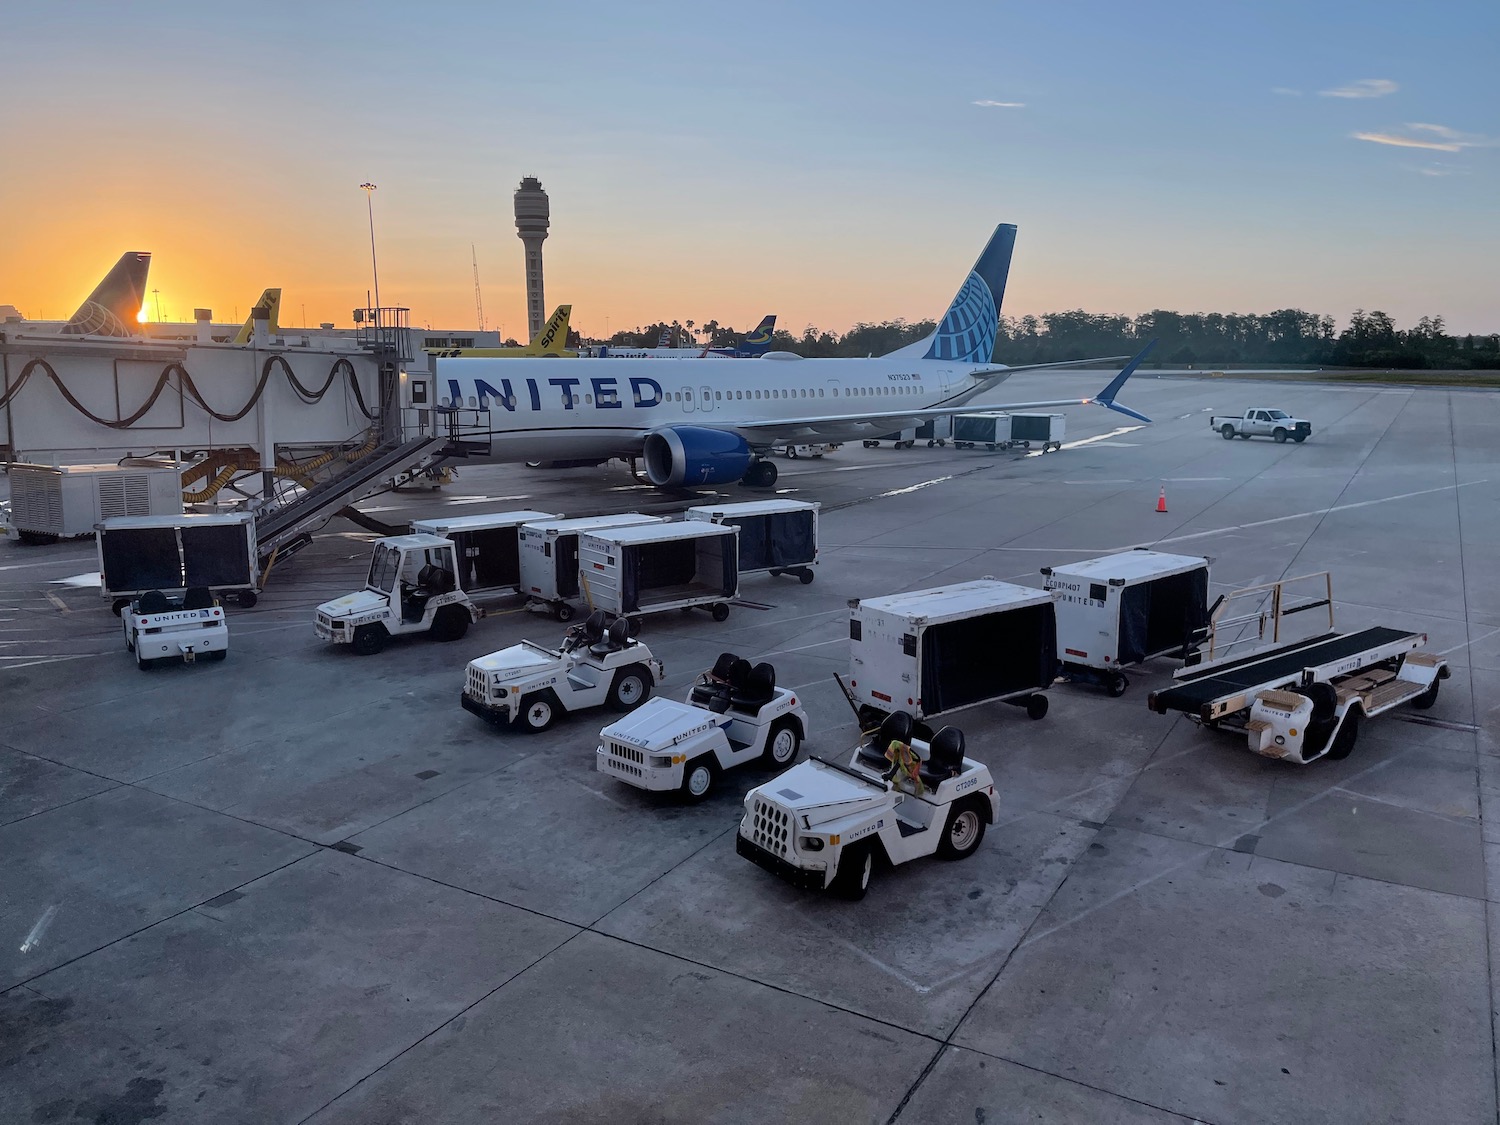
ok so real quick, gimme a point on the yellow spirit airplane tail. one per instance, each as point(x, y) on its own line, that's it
point(270, 299)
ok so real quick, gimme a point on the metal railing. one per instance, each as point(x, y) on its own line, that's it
point(1245, 617)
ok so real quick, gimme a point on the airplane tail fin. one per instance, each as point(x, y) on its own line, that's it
point(1106, 397)
point(967, 332)
point(665, 340)
point(553, 338)
point(111, 309)
point(759, 341)
point(269, 299)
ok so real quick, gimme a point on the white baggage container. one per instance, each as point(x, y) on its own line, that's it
point(549, 557)
point(936, 431)
point(488, 548)
point(1045, 430)
point(175, 553)
point(48, 503)
point(934, 651)
point(629, 571)
point(1121, 609)
point(990, 429)
point(778, 536)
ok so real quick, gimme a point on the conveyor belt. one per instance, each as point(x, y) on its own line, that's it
point(1282, 666)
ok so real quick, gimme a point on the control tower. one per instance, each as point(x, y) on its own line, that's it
point(531, 229)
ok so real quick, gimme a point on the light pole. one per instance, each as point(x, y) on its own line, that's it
point(369, 190)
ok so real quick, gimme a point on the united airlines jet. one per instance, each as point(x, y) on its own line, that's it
point(689, 429)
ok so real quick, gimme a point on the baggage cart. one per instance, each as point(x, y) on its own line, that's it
point(488, 548)
point(1045, 430)
point(933, 651)
point(776, 536)
point(1121, 609)
point(549, 558)
point(173, 553)
point(936, 431)
point(990, 429)
point(652, 568)
point(901, 439)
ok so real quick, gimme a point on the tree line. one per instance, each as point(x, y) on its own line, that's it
point(1289, 337)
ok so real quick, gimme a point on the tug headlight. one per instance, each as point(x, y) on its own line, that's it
point(811, 843)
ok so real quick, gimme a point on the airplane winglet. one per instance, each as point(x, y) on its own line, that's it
point(1106, 397)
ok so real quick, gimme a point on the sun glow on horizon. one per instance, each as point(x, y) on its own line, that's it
point(141, 316)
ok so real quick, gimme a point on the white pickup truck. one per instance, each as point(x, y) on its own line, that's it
point(1262, 422)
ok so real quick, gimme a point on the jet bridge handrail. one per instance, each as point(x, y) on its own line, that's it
point(1283, 604)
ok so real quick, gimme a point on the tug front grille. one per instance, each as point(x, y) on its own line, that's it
point(627, 759)
point(770, 827)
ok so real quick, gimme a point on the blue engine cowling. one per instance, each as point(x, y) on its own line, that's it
point(690, 455)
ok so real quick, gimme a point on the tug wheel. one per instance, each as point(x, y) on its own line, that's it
point(852, 879)
point(369, 639)
point(698, 778)
point(963, 832)
point(1036, 706)
point(721, 611)
point(450, 624)
point(781, 746)
point(1116, 685)
point(1428, 697)
point(562, 611)
point(537, 712)
point(631, 688)
point(1348, 735)
point(245, 599)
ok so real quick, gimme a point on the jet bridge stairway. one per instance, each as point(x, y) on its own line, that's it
point(285, 530)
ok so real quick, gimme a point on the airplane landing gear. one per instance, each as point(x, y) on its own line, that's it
point(761, 474)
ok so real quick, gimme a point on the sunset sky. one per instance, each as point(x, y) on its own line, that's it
point(829, 163)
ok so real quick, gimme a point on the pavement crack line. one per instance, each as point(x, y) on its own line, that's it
point(1041, 909)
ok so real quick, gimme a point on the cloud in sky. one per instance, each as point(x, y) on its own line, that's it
point(1408, 142)
point(1438, 138)
point(1440, 170)
point(1286, 91)
point(1363, 88)
point(986, 102)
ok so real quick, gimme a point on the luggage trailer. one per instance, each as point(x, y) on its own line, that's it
point(1306, 700)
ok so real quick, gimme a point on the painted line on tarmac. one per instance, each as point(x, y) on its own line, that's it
point(1466, 644)
point(29, 566)
point(1097, 438)
point(914, 487)
point(1315, 512)
point(60, 605)
point(49, 660)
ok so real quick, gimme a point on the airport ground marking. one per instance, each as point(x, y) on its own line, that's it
point(56, 601)
point(1466, 644)
point(1314, 512)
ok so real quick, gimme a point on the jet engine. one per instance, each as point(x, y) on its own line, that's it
point(692, 455)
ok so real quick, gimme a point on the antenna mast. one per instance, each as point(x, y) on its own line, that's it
point(478, 298)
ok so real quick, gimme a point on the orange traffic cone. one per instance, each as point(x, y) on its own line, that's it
point(1161, 501)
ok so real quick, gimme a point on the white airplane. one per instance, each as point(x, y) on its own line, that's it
point(692, 430)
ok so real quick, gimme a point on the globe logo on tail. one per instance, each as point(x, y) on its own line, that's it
point(967, 333)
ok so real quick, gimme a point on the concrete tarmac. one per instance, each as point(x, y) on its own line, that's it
point(304, 885)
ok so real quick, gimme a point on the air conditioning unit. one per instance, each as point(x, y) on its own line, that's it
point(48, 502)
